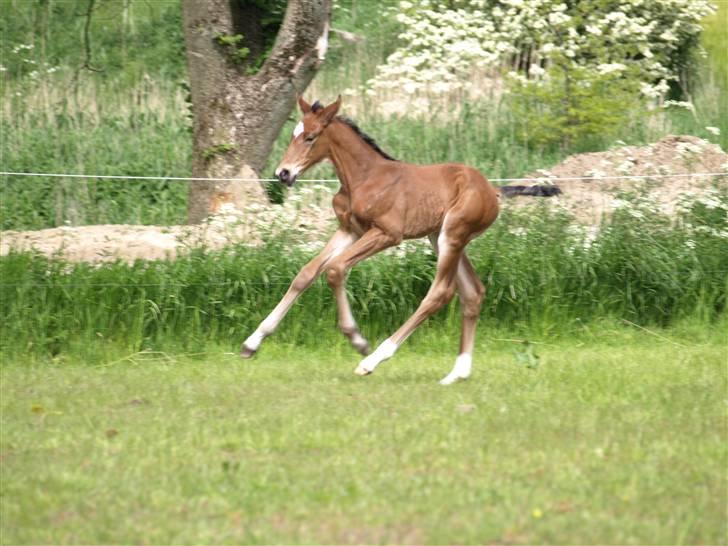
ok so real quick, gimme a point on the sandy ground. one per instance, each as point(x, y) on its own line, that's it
point(308, 213)
point(589, 200)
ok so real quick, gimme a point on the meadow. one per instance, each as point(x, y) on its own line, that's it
point(611, 436)
point(596, 413)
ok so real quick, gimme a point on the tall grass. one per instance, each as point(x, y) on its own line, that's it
point(540, 273)
point(124, 121)
point(146, 132)
point(715, 41)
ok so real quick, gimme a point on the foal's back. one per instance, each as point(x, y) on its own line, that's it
point(422, 196)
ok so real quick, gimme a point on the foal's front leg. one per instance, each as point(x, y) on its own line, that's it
point(370, 243)
point(347, 323)
point(340, 241)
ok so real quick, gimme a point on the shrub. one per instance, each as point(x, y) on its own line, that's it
point(539, 269)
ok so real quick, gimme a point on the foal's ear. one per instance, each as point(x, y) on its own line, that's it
point(328, 113)
point(303, 105)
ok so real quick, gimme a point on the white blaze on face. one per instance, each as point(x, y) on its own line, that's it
point(298, 130)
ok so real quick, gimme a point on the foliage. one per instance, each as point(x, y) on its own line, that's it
point(441, 45)
point(217, 149)
point(714, 40)
point(269, 16)
point(232, 43)
point(573, 106)
point(129, 119)
point(539, 270)
point(572, 62)
point(128, 39)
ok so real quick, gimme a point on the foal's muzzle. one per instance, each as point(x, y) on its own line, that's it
point(285, 176)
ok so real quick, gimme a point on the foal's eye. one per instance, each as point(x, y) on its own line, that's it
point(309, 138)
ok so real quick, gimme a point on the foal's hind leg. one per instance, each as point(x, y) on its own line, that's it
point(347, 324)
point(471, 291)
point(440, 293)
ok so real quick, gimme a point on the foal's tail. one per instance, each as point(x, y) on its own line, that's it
point(534, 191)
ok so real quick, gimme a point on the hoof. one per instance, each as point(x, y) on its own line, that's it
point(461, 370)
point(358, 342)
point(245, 352)
point(451, 379)
point(361, 370)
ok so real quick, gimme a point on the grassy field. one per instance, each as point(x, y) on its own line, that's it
point(615, 436)
point(125, 418)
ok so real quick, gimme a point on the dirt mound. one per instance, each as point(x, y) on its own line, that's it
point(307, 213)
point(590, 199)
point(306, 216)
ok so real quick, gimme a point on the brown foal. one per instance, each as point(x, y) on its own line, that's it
point(381, 202)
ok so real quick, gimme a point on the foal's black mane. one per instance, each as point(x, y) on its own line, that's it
point(365, 137)
point(316, 106)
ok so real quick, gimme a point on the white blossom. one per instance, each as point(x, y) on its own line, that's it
point(441, 48)
point(609, 68)
point(679, 104)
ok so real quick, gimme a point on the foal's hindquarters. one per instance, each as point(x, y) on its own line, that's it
point(472, 208)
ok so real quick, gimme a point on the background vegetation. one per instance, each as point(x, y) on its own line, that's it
point(130, 115)
point(120, 106)
point(543, 276)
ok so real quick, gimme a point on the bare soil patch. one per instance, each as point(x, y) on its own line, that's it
point(589, 200)
point(306, 218)
point(309, 215)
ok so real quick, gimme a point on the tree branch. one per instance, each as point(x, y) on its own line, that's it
point(87, 39)
point(298, 46)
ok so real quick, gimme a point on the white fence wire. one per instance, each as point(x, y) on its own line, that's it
point(332, 180)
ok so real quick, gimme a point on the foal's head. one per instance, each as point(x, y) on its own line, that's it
point(309, 144)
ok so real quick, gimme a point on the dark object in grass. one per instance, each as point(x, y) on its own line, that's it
point(533, 191)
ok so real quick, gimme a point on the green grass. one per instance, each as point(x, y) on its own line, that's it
point(715, 41)
point(616, 437)
point(540, 274)
point(68, 145)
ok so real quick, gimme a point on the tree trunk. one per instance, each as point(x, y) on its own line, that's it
point(238, 111)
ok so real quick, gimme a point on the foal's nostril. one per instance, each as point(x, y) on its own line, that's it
point(284, 176)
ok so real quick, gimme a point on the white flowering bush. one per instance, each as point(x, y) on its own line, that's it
point(546, 48)
point(442, 45)
point(706, 215)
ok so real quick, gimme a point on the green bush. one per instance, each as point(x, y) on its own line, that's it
point(539, 270)
point(574, 107)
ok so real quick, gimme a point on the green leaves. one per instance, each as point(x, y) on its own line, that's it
point(526, 355)
point(233, 44)
point(218, 149)
point(574, 107)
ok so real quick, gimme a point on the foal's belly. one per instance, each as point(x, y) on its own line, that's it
point(426, 217)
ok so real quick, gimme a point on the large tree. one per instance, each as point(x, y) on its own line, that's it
point(243, 88)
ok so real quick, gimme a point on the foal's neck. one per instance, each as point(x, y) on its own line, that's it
point(353, 158)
